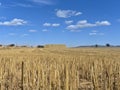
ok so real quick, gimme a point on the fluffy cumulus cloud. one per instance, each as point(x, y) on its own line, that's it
point(67, 13)
point(85, 24)
point(14, 22)
point(69, 22)
point(51, 24)
point(103, 23)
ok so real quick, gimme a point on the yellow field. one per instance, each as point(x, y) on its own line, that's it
point(60, 69)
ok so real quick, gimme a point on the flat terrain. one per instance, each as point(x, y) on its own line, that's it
point(59, 69)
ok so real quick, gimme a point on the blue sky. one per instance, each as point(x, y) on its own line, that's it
point(70, 22)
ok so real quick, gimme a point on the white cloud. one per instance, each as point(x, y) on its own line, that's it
point(24, 35)
point(72, 27)
point(29, 3)
point(45, 30)
point(21, 5)
point(82, 22)
point(69, 22)
point(103, 23)
point(14, 22)
point(32, 30)
point(0, 4)
point(75, 30)
point(94, 33)
point(55, 24)
point(46, 2)
point(78, 13)
point(47, 24)
point(17, 4)
point(85, 24)
point(67, 13)
point(51, 25)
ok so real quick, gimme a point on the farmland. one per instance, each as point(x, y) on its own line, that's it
point(60, 69)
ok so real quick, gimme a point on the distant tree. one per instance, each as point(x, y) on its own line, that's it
point(96, 45)
point(1, 45)
point(24, 46)
point(107, 45)
point(40, 46)
point(11, 45)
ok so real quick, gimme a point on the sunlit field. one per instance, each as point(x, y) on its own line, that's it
point(60, 69)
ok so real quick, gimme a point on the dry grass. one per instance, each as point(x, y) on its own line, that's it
point(65, 69)
point(59, 46)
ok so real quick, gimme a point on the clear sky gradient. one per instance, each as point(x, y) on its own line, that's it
point(70, 22)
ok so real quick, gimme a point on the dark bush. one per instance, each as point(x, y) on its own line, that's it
point(107, 45)
point(11, 45)
point(40, 46)
point(96, 45)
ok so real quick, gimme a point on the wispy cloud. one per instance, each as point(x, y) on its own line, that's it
point(20, 5)
point(101, 34)
point(51, 24)
point(85, 24)
point(3, 18)
point(45, 2)
point(47, 24)
point(67, 13)
point(14, 22)
point(55, 24)
point(24, 35)
point(45, 30)
point(92, 33)
point(103, 23)
point(69, 22)
point(12, 34)
point(96, 33)
point(32, 30)
point(0, 4)
point(27, 3)
point(75, 30)
point(16, 4)
point(118, 20)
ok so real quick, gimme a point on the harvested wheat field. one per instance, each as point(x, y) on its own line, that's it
point(60, 69)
